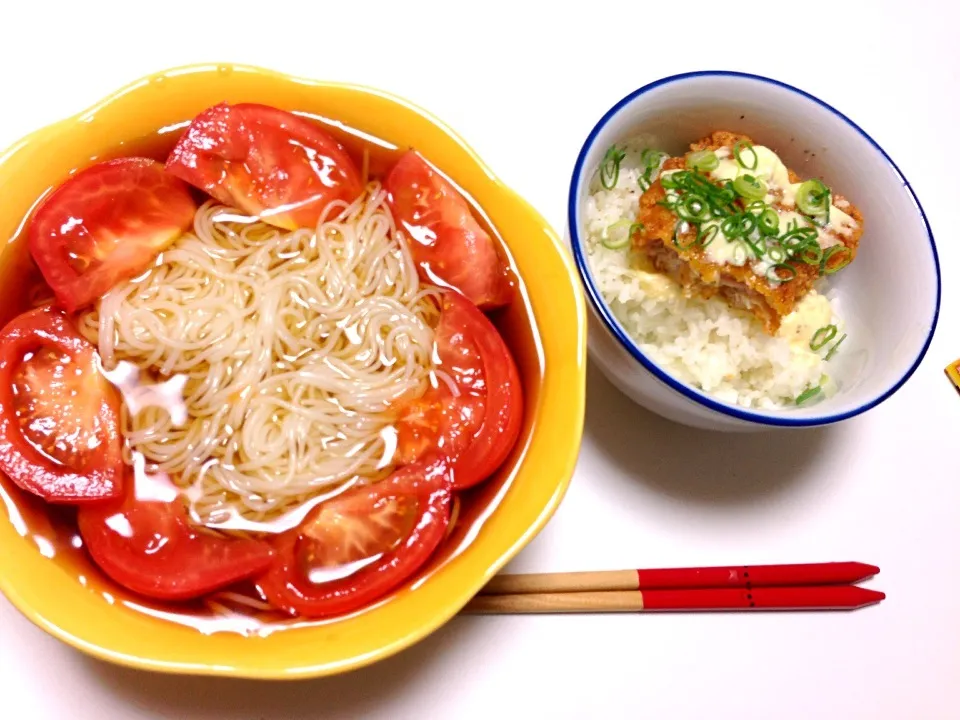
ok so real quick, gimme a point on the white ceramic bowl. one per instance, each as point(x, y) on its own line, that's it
point(890, 296)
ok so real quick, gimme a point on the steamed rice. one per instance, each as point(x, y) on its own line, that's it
point(705, 343)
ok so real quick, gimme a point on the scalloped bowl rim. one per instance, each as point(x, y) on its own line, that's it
point(563, 468)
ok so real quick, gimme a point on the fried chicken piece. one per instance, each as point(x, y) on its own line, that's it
point(738, 285)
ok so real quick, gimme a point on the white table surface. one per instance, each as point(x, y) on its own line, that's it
point(524, 87)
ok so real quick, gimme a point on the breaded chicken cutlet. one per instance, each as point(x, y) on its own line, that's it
point(730, 220)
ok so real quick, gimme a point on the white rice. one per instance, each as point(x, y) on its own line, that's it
point(705, 343)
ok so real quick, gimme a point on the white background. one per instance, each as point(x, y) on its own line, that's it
point(524, 87)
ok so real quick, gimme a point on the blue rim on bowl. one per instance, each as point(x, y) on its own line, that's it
point(596, 300)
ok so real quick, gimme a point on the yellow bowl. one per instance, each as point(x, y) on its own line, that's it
point(513, 510)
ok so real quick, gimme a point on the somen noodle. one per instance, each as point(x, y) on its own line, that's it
point(293, 345)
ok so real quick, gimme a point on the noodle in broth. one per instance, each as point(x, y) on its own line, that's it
point(293, 345)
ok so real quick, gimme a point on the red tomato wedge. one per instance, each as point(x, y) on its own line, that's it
point(59, 427)
point(105, 224)
point(358, 546)
point(269, 163)
point(477, 428)
point(449, 246)
point(149, 546)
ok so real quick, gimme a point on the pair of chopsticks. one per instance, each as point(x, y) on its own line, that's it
point(811, 586)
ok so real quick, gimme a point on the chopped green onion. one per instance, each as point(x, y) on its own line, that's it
point(622, 239)
point(756, 206)
point(703, 160)
point(776, 253)
point(773, 272)
point(796, 238)
point(718, 199)
point(692, 182)
point(702, 233)
point(610, 167)
point(826, 268)
point(811, 254)
point(693, 208)
point(651, 158)
point(669, 181)
point(747, 223)
point(750, 187)
point(769, 222)
point(834, 348)
point(619, 244)
point(807, 394)
point(699, 183)
point(822, 336)
point(813, 198)
point(738, 153)
point(731, 226)
point(728, 193)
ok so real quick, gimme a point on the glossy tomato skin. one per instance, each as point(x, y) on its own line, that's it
point(149, 547)
point(425, 486)
point(503, 416)
point(269, 163)
point(67, 388)
point(105, 224)
point(448, 244)
point(477, 429)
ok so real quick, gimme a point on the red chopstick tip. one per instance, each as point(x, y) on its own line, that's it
point(870, 597)
point(868, 570)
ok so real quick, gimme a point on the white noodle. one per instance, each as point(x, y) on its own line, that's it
point(294, 345)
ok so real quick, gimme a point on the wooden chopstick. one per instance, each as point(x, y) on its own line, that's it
point(740, 576)
point(827, 597)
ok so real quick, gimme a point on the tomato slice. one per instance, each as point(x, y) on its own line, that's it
point(59, 427)
point(269, 163)
point(149, 546)
point(448, 244)
point(106, 224)
point(358, 546)
point(477, 428)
